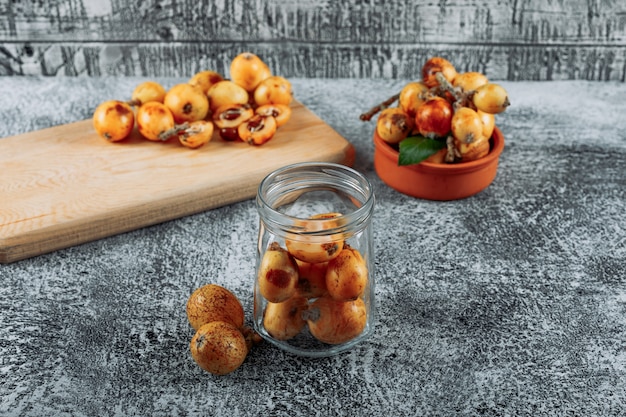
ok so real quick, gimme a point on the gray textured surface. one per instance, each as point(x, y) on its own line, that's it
point(511, 302)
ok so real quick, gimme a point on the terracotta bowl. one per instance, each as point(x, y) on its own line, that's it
point(437, 181)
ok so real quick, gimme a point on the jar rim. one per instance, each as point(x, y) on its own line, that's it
point(349, 180)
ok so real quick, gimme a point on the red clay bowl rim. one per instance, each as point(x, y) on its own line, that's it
point(497, 147)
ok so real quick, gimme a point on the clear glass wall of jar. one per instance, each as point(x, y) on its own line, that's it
point(314, 286)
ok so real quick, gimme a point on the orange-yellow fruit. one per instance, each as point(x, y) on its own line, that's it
point(213, 302)
point(311, 279)
point(467, 129)
point(434, 118)
point(283, 321)
point(226, 92)
point(469, 81)
point(316, 249)
point(229, 117)
point(394, 125)
point(278, 274)
point(335, 322)
point(434, 65)
point(146, 92)
point(491, 98)
point(475, 150)
point(346, 275)
point(218, 347)
point(412, 96)
point(273, 90)
point(280, 112)
point(187, 103)
point(257, 130)
point(466, 125)
point(489, 123)
point(154, 121)
point(198, 134)
point(232, 115)
point(113, 120)
point(205, 79)
point(248, 70)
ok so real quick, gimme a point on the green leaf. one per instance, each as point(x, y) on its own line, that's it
point(415, 149)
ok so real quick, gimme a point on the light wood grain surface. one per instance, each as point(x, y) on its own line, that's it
point(70, 186)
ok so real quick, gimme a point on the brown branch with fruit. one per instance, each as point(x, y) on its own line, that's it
point(367, 116)
point(449, 116)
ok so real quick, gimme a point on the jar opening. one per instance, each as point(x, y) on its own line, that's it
point(291, 198)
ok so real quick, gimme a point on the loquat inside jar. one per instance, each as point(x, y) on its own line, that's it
point(312, 214)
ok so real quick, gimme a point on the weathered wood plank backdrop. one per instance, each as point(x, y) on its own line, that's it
point(506, 39)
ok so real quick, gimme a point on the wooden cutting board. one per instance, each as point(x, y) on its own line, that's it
point(65, 185)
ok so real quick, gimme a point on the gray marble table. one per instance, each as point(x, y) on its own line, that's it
point(508, 303)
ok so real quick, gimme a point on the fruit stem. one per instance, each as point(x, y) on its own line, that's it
point(366, 117)
point(176, 130)
point(461, 98)
point(252, 337)
point(453, 153)
point(447, 86)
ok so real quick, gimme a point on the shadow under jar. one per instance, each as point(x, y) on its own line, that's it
point(314, 286)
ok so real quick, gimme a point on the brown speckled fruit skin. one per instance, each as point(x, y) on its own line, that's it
point(336, 322)
point(278, 274)
point(212, 302)
point(346, 275)
point(283, 321)
point(218, 348)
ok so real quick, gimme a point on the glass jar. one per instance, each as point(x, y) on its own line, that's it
point(314, 286)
